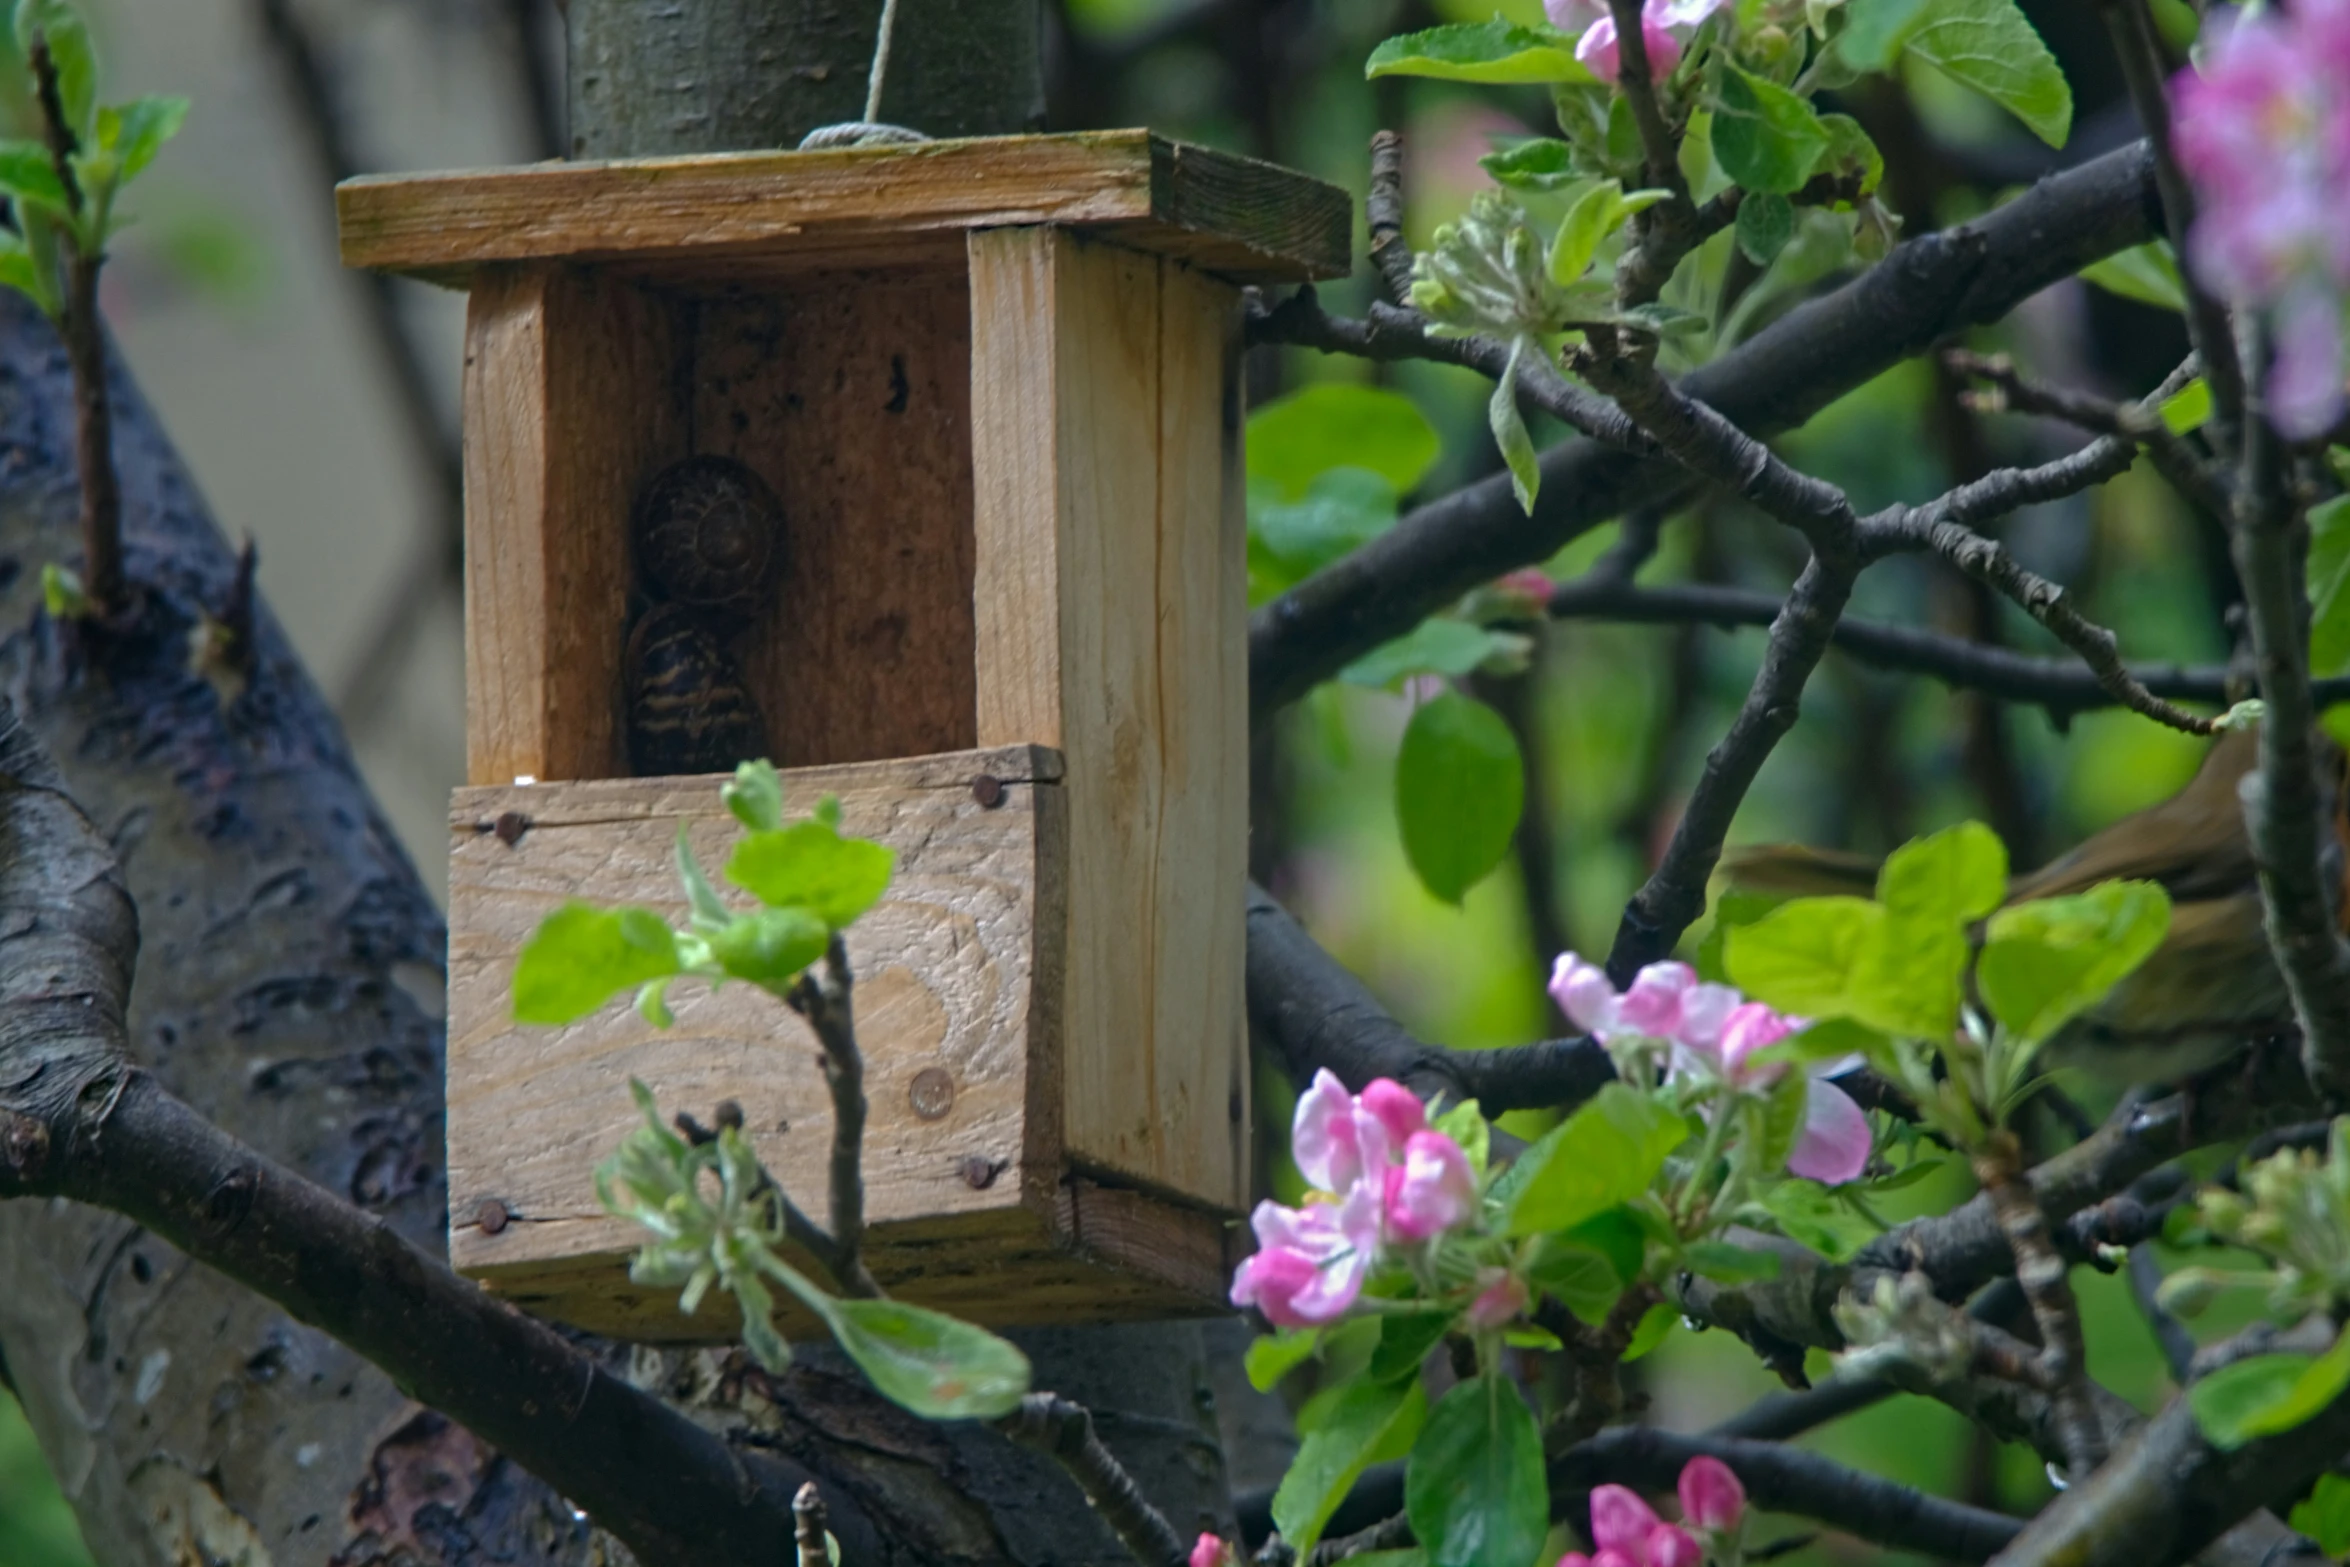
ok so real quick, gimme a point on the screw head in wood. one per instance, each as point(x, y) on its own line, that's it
point(932, 1093)
point(979, 1171)
point(509, 827)
point(491, 1216)
point(988, 790)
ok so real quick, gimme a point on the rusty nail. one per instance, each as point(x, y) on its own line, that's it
point(988, 790)
point(932, 1094)
point(510, 826)
point(979, 1171)
point(491, 1216)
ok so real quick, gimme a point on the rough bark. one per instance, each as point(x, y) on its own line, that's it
point(723, 75)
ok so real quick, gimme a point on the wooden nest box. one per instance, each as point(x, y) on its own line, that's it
point(993, 387)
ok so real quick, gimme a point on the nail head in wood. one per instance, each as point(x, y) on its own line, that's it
point(491, 1216)
point(510, 826)
point(979, 1171)
point(932, 1093)
point(988, 790)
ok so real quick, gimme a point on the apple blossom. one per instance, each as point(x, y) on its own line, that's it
point(1210, 1551)
point(1625, 1530)
point(1310, 1262)
point(1432, 1190)
point(1665, 26)
point(1333, 1141)
point(1712, 1498)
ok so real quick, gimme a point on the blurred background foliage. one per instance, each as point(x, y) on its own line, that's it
point(265, 364)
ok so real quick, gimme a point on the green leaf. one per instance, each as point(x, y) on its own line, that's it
point(2324, 1515)
point(928, 1362)
point(1294, 440)
point(1366, 1420)
point(1605, 1154)
point(1405, 1341)
point(1663, 319)
point(1800, 956)
point(1617, 1236)
point(710, 912)
point(2046, 961)
point(1342, 510)
point(581, 957)
point(18, 272)
point(1466, 1125)
point(1766, 221)
point(1593, 215)
point(755, 795)
point(1459, 787)
point(2147, 273)
point(1439, 645)
point(1580, 1276)
point(28, 174)
point(2251, 1398)
point(136, 131)
point(1990, 46)
point(1875, 31)
point(1851, 151)
point(2188, 409)
point(771, 947)
point(1474, 1490)
point(652, 1003)
point(1275, 1355)
point(1765, 137)
point(1655, 1326)
point(1728, 1264)
point(1509, 428)
point(810, 866)
point(1810, 1216)
point(1495, 53)
point(1950, 878)
point(1539, 163)
point(70, 49)
point(2329, 578)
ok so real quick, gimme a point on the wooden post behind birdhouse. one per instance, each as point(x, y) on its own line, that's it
point(993, 388)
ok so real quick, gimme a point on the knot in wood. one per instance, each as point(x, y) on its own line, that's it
point(709, 535)
point(231, 1198)
point(24, 1147)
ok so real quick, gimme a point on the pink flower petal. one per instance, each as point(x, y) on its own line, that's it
point(1620, 1520)
point(1704, 1011)
point(1672, 1547)
point(1498, 1303)
point(1209, 1551)
point(1751, 1028)
point(1432, 1190)
point(1834, 1145)
point(1711, 1496)
point(1583, 993)
point(1332, 1140)
point(1653, 1005)
point(1396, 1108)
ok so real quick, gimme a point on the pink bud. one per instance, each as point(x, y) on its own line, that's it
point(1748, 1029)
point(1704, 1012)
point(1498, 1303)
point(1600, 56)
point(1609, 1556)
point(1432, 1190)
point(1711, 1497)
point(1574, 1559)
point(1333, 1143)
point(1583, 993)
point(1833, 1146)
point(1620, 1520)
point(1653, 1005)
point(1672, 1547)
point(1395, 1107)
point(1208, 1551)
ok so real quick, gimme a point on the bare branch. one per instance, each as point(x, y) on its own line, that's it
point(2170, 1334)
point(808, 1520)
point(1383, 214)
point(1064, 1432)
point(2064, 1353)
point(824, 1000)
point(2140, 422)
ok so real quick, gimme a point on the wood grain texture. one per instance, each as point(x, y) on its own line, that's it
point(1103, 389)
point(851, 396)
point(571, 403)
point(736, 214)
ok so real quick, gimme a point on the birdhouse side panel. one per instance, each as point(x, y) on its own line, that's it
point(850, 394)
point(1112, 615)
point(954, 1033)
point(571, 403)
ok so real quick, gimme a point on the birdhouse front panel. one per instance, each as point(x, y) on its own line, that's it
point(918, 471)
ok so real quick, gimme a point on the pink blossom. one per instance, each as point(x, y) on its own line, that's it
point(1705, 1011)
point(1598, 51)
point(1310, 1262)
point(1665, 26)
point(1432, 1190)
point(1834, 1144)
point(1209, 1551)
point(1583, 993)
point(1498, 1303)
point(1626, 1532)
point(1396, 1108)
point(1334, 1143)
point(1653, 1005)
point(1712, 1498)
point(1671, 1546)
point(1750, 1028)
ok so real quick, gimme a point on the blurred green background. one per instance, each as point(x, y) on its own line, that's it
point(231, 308)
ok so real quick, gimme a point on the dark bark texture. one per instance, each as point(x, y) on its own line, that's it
point(729, 74)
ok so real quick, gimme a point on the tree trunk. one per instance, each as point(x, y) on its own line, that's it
point(728, 75)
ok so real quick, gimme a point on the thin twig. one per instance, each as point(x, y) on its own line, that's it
point(2141, 421)
point(807, 1516)
point(2292, 840)
point(1392, 1533)
point(85, 348)
point(1383, 211)
point(2207, 324)
point(1064, 1432)
point(2064, 1355)
point(2170, 1334)
point(823, 998)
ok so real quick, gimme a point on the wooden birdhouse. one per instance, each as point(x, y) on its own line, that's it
point(989, 393)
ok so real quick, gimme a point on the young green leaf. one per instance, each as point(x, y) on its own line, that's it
point(1459, 787)
point(1276, 1354)
point(1951, 878)
point(1851, 151)
point(928, 1362)
point(1367, 1422)
point(1655, 1326)
point(1342, 510)
point(1439, 645)
point(2324, 1515)
point(1989, 45)
point(1405, 1341)
point(1765, 137)
point(2266, 1394)
point(581, 957)
point(1766, 221)
point(71, 51)
point(1294, 440)
point(1474, 1490)
point(1728, 1264)
point(1875, 31)
point(1800, 956)
point(2147, 273)
point(2046, 961)
point(1495, 53)
point(1538, 163)
point(770, 947)
point(136, 131)
point(2329, 585)
point(710, 912)
point(29, 176)
point(1509, 428)
point(1605, 1154)
point(1579, 1276)
point(1466, 1125)
point(810, 866)
point(755, 795)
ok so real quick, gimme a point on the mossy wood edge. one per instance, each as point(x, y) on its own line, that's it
point(727, 216)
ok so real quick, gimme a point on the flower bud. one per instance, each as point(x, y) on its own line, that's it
point(1712, 1498)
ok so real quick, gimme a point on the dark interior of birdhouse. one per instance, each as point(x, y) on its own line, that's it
point(849, 394)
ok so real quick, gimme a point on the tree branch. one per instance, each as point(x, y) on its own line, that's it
point(1383, 217)
point(2139, 422)
point(2064, 1353)
point(1928, 287)
point(824, 1000)
point(1064, 1432)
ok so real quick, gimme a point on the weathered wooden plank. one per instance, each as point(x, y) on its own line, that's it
point(571, 402)
point(943, 969)
point(1229, 216)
